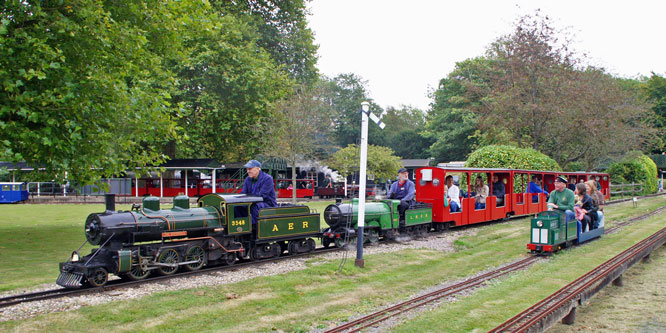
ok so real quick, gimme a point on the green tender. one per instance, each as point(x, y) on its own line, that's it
point(276, 227)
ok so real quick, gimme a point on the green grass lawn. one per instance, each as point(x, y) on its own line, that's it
point(319, 297)
point(35, 238)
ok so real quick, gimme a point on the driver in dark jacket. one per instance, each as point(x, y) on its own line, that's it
point(260, 184)
point(403, 190)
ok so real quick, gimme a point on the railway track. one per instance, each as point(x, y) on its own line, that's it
point(379, 316)
point(395, 310)
point(562, 304)
point(117, 284)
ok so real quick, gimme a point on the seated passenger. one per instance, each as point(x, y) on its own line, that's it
point(598, 201)
point(572, 184)
point(586, 207)
point(533, 187)
point(258, 183)
point(403, 190)
point(562, 198)
point(498, 190)
point(481, 190)
point(453, 193)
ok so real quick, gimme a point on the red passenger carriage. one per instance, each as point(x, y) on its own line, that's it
point(516, 201)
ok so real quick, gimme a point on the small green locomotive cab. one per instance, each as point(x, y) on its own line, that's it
point(234, 210)
point(382, 219)
point(550, 232)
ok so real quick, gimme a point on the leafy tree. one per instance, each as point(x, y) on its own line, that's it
point(382, 164)
point(281, 30)
point(85, 91)
point(654, 89)
point(536, 93)
point(451, 124)
point(302, 126)
point(403, 127)
point(227, 86)
point(347, 93)
point(605, 117)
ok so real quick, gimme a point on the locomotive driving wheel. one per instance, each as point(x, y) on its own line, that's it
point(326, 242)
point(229, 258)
point(170, 257)
point(98, 278)
point(195, 253)
point(136, 273)
point(340, 242)
point(372, 236)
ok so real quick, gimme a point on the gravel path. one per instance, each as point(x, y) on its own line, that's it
point(438, 242)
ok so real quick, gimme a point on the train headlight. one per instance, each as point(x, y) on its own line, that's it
point(539, 224)
point(75, 256)
point(435, 181)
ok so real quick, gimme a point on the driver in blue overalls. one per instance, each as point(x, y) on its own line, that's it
point(404, 190)
point(260, 184)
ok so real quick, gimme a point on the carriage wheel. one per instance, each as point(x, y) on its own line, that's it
point(98, 278)
point(195, 253)
point(229, 258)
point(373, 236)
point(276, 249)
point(169, 256)
point(311, 244)
point(293, 247)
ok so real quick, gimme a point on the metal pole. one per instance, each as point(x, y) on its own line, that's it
point(360, 262)
point(186, 182)
point(214, 180)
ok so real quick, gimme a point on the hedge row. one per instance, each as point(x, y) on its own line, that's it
point(502, 156)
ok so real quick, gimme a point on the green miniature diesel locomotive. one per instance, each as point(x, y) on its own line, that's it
point(550, 232)
point(133, 244)
point(382, 220)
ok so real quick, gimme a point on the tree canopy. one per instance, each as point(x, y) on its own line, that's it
point(85, 91)
point(95, 88)
point(532, 90)
point(382, 164)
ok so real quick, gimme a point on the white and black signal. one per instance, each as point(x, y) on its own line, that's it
point(377, 120)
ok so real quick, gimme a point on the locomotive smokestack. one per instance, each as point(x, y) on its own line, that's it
point(110, 200)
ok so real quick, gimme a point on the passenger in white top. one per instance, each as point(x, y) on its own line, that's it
point(453, 194)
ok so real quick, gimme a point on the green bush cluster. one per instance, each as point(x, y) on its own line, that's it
point(635, 167)
point(502, 156)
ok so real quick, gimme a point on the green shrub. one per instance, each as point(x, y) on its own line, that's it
point(501, 156)
point(635, 167)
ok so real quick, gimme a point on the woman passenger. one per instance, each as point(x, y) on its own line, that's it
point(481, 193)
point(598, 200)
point(588, 207)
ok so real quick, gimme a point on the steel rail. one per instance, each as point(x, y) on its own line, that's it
point(419, 301)
point(116, 284)
point(529, 318)
point(379, 316)
point(119, 283)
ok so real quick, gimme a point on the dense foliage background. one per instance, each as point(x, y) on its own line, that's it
point(94, 88)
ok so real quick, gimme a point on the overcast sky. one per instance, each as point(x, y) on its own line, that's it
point(403, 48)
